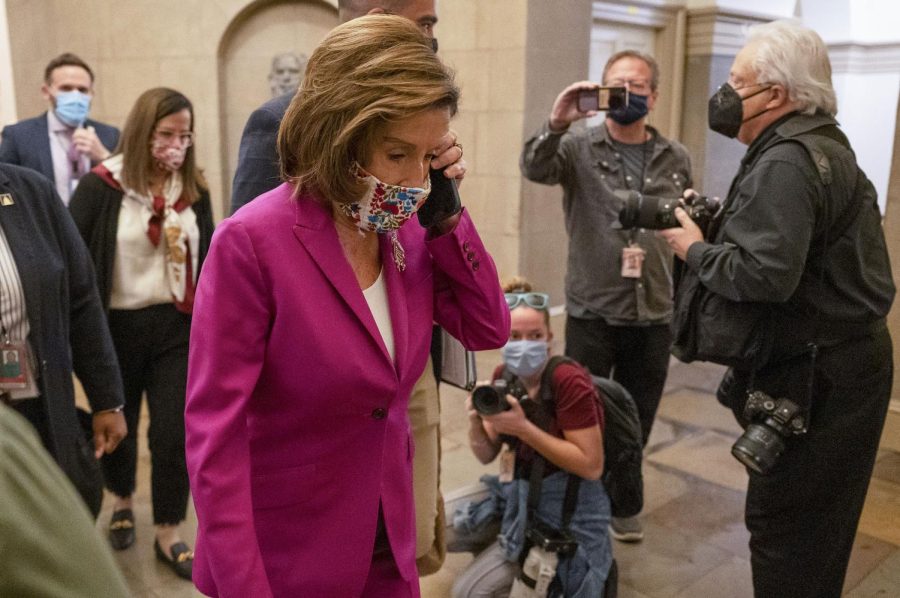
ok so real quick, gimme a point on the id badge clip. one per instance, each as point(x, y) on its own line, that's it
point(16, 374)
point(632, 261)
point(507, 464)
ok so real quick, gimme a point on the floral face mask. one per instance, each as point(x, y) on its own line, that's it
point(384, 208)
point(169, 158)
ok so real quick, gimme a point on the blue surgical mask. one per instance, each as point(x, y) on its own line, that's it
point(72, 107)
point(635, 110)
point(525, 358)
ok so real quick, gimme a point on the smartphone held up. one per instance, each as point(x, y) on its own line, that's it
point(601, 99)
point(442, 202)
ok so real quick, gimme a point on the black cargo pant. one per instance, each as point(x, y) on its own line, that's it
point(152, 346)
point(803, 516)
point(636, 356)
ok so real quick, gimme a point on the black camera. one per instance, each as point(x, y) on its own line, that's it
point(490, 399)
point(656, 213)
point(552, 540)
point(771, 421)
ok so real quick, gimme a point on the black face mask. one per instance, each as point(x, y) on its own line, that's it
point(726, 110)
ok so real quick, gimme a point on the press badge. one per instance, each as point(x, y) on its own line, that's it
point(15, 372)
point(507, 464)
point(632, 261)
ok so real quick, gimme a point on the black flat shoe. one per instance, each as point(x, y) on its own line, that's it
point(121, 529)
point(181, 560)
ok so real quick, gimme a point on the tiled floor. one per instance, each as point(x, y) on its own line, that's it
point(695, 544)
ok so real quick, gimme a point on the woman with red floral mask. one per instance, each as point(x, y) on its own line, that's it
point(145, 215)
point(314, 321)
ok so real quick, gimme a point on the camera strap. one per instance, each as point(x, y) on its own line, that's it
point(542, 417)
point(832, 231)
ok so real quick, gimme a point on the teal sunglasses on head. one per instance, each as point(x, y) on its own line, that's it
point(532, 300)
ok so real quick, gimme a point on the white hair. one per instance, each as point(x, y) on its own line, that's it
point(795, 57)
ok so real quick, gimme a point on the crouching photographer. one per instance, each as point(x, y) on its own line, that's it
point(545, 423)
point(791, 289)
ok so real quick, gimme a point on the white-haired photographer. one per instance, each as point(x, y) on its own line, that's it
point(798, 250)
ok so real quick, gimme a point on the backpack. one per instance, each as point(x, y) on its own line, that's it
point(622, 442)
point(622, 448)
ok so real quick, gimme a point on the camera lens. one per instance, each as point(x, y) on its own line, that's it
point(643, 211)
point(487, 400)
point(758, 448)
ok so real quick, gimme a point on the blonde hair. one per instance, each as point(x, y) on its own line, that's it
point(368, 72)
point(517, 284)
point(138, 163)
point(520, 284)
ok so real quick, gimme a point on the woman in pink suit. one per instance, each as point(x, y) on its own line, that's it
point(312, 322)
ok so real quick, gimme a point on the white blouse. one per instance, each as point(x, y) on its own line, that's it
point(376, 297)
point(139, 268)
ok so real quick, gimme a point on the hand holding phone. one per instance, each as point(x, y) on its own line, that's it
point(442, 202)
point(601, 99)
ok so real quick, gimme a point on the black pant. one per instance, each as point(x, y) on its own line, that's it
point(152, 346)
point(803, 516)
point(637, 357)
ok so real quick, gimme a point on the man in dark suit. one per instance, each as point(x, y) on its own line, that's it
point(63, 143)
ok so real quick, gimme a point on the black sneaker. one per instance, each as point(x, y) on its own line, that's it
point(626, 529)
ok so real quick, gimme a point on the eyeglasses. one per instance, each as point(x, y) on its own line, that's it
point(167, 137)
point(641, 86)
point(532, 300)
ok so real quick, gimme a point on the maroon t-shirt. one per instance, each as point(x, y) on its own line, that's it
point(576, 406)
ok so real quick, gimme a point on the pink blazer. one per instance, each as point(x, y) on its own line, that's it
point(296, 416)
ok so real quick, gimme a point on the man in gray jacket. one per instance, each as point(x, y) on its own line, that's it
point(618, 282)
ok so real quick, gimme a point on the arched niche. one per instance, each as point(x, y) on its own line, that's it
point(262, 30)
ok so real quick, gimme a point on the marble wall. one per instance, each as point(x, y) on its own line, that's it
point(218, 53)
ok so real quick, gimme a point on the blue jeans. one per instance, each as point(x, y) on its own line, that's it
point(580, 576)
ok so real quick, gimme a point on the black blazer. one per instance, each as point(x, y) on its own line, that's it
point(68, 326)
point(27, 143)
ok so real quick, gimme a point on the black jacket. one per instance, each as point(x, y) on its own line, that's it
point(68, 327)
point(95, 208)
point(814, 251)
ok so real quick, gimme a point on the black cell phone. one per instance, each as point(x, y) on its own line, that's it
point(442, 202)
point(551, 540)
point(601, 99)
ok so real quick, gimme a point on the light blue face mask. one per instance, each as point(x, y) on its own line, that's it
point(525, 358)
point(72, 107)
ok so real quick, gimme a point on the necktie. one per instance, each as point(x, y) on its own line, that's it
point(76, 164)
